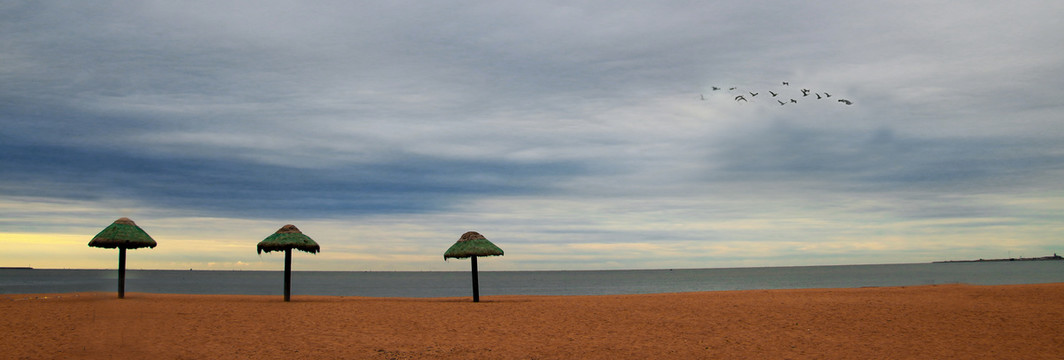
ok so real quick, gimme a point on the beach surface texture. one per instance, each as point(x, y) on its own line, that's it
point(920, 322)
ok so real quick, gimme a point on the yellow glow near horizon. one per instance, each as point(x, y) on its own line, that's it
point(50, 250)
point(44, 239)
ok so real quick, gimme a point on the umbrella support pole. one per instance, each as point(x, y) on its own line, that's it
point(121, 272)
point(476, 284)
point(287, 274)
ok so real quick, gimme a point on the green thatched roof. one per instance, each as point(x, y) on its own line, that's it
point(472, 244)
point(122, 233)
point(288, 237)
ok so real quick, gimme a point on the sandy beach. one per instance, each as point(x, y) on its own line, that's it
point(922, 322)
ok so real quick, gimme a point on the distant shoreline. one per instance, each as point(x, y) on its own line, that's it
point(15, 268)
point(1044, 258)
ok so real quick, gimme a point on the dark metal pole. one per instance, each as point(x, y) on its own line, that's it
point(287, 274)
point(121, 272)
point(476, 284)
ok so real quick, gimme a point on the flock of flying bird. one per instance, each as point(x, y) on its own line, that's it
point(805, 93)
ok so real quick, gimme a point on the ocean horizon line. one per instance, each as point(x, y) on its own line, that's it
point(514, 270)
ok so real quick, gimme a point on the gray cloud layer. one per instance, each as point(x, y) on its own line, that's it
point(290, 110)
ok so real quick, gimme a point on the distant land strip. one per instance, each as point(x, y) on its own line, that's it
point(1044, 258)
point(15, 268)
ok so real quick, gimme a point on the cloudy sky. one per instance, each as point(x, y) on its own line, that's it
point(574, 135)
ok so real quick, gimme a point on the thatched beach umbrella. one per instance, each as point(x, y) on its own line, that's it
point(122, 234)
point(471, 245)
point(287, 238)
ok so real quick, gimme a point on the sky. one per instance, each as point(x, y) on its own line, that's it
point(572, 134)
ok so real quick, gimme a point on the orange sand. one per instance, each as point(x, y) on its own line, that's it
point(928, 322)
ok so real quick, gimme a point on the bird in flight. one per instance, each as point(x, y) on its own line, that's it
point(791, 97)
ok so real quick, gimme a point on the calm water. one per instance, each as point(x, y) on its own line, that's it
point(450, 284)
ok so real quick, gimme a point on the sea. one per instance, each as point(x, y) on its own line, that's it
point(594, 282)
